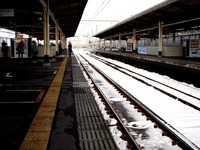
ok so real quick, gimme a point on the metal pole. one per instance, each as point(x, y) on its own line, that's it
point(134, 41)
point(56, 34)
point(46, 35)
point(160, 39)
point(120, 42)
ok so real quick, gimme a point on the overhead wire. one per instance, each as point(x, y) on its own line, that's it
point(96, 14)
point(102, 9)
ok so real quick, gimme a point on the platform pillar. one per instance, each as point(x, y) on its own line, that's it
point(174, 39)
point(160, 25)
point(64, 42)
point(57, 37)
point(110, 43)
point(120, 42)
point(134, 41)
point(104, 43)
point(99, 43)
point(46, 35)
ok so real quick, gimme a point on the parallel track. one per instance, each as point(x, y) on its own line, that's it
point(139, 78)
point(150, 115)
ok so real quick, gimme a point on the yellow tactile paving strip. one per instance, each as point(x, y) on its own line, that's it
point(38, 133)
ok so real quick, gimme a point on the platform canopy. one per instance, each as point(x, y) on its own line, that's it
point(176, 15)
point(26, 16)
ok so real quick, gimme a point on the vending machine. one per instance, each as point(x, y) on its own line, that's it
point(129, 47)
point(27, 48)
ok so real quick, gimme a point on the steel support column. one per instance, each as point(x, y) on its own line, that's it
point(134, 41)
point(120, 41)
point(104, 43)
point(57, 38)
point(46, 35)
point(174, 39)
point(110, 43)
point(160, 25)
point(99, 47)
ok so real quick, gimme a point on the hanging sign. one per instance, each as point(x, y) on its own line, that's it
point(6, 12)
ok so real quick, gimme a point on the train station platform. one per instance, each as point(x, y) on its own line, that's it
point(68, 117)
point(184, 62)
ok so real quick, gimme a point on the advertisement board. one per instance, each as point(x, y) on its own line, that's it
point(142, 50)
point(194, 50)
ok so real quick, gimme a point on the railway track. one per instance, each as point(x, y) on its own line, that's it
point(189, 99)
point(139, 133)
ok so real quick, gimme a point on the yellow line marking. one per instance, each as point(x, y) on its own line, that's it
point(38, 133)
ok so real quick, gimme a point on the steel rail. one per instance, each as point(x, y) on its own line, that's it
point(168, 130)
point(131, 142)
point(167, 93)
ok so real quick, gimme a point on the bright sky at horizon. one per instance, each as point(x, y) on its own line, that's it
point(101, 14)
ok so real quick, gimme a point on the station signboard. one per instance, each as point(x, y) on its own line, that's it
point(194, 50)
point(6, 12)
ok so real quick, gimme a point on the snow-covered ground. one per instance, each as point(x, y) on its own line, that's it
point(183, 118)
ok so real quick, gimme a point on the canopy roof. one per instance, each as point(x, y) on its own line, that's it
point(175, 15)
point(28, 15)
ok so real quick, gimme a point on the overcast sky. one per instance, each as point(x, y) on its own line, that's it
point(101, 14)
